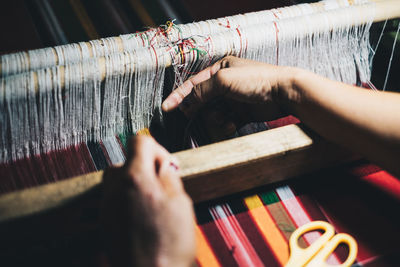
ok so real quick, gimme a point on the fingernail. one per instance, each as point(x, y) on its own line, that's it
point(173, 166)
point(164, 106)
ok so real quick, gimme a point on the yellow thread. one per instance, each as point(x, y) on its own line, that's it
point(144, 131)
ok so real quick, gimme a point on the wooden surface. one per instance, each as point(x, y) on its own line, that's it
point(208, 172)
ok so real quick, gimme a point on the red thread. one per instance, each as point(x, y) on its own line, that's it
point(240, 35)
point(277, 42)
point(228, 25)
point(155, 54)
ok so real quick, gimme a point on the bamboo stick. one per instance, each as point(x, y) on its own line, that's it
point(207, 172)
point(317, 7)
point(383, 9)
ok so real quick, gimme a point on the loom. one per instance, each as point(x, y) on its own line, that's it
point(117, 84)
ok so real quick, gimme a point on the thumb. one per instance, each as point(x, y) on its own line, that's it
point(169, 178)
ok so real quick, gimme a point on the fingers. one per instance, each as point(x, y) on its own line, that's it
point(170, 180)
point(179, 94)
point(152, 168)
point(214, 81)
point(145, 158)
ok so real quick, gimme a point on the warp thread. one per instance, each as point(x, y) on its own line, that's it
point(72, 53)
point(38, 115)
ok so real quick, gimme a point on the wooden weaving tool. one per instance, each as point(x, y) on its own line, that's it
point(253, 160)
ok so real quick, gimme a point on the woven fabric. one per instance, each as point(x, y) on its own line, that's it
point(253, 229)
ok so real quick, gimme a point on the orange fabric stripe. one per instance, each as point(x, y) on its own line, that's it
point(267, 227)
point(205, 256)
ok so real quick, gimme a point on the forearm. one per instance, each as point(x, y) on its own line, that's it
point(361, 120)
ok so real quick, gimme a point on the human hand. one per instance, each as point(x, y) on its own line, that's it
point(247, 90)
point(147, 216)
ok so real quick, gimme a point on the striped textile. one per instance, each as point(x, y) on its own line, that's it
point(253, 228)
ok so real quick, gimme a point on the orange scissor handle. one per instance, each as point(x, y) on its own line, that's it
point(317, 253)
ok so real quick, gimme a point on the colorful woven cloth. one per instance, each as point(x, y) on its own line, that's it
point(253, 229)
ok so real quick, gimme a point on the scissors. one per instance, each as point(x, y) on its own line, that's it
point(317, 253)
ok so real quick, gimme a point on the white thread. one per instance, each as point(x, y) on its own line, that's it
point(43, 58)
point(130, 97)
point(391, 58)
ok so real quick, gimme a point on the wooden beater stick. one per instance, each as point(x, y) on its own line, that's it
point(207, 172)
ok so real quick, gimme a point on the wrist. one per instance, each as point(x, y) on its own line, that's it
point(287, 93)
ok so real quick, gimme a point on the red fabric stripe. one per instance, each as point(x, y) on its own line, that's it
point(21, 170)
point(385, 182)
point(282, 122)
point(40, 170)
point(375, 234)
point(217, 244)
point(46, 168)
point(255, 237)
point(362, 210)
point(364, 169)
point(235, 239)
point(7, 182)
point(54, 167)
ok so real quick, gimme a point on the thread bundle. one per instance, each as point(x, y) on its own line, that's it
point(70, 103)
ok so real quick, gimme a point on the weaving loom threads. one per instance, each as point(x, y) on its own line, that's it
point(391, 58)
point(286, 206)
point(82, 108)
point(19, 62)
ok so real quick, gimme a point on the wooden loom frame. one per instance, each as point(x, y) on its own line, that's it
point(237, 165)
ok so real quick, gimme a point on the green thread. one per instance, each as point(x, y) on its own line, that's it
point(199, 51)
point(269, 197)
point(124, 140)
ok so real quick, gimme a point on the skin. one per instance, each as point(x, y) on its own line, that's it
point(364, 121)
point(149, 219)
point(147, 216)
